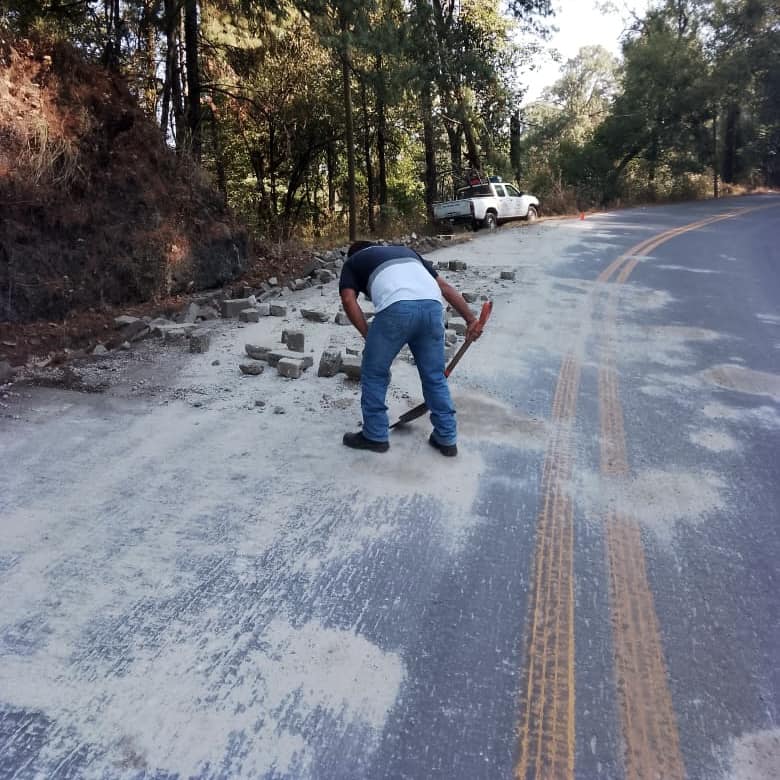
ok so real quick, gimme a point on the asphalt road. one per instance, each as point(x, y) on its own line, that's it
point(198, 580)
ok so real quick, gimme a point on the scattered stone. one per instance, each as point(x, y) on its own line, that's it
point(295, 340)
point(200, 341)
point(174, 331)
point(6, 372)
point(449, 351)
point(330, 363)
point(134, 331)
point(158, 322)
point(314, 316)
point(260, 404)
point(509, 275)
point(279, 410)
point(450, 336)
point(125, 345)
point(256, 352)
point(232, 307)
point(277, 310)
point(342, 319)
point(275, 355)
point(325, 276)
point(207, 313)
point(249, 315)
point(459, 328)
point(290, 368)
point(469, 297)
point(273, 282)
point(100, 349)
point(350, 365)
point(457, 265)
point(125, 320)
point(215, 362)
point(252, 369)
point(263, 310)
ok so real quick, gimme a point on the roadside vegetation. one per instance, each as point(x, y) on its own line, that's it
point(182, 141)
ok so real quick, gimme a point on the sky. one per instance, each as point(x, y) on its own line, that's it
point(580, 23)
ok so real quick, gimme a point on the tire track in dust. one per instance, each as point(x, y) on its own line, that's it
point(547, 708)
point(651, 742)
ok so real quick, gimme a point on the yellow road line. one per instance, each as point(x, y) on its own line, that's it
point(649, 725)
point(547, 712)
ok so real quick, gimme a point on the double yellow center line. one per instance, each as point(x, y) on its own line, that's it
point(547, 710)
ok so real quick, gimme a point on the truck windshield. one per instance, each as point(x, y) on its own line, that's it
point(481, 191)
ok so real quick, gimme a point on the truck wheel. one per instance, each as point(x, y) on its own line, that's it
point(489, 222)
point(532, 214)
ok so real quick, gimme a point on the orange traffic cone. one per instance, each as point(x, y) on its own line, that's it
point(582, 215)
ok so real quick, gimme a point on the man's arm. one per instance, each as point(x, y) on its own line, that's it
point(458, 302)
point(353, 311)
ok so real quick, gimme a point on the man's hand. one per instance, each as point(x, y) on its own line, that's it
point(458, 302)
point(474, 329)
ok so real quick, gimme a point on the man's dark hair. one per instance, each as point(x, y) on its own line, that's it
point(358, 245)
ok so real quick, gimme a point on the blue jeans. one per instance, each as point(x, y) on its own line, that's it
point(420, 325)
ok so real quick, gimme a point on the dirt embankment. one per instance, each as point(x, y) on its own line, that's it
point(96, 210)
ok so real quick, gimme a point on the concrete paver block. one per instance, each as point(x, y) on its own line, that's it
point(350, 365)
point(277, 310)
point(252, 369)
point(330, 363)
point(257, 352)
point(232, 307)
point(200, 341)
point(508, 275)
point(295, 340)
point(290, 368)
point(249, 315)
point(275, 355)
point(315, 316)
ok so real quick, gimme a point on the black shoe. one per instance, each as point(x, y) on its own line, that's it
point(359, 442)
point(450, 450)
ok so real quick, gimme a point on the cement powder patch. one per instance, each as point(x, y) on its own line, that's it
point(655, 498)
point(714, 440)
point(744, 380)
point(238, 699)
point(754, 756)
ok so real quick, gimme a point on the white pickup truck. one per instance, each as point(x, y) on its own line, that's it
point(486, 204)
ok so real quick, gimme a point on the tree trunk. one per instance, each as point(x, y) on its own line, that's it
point(193, 77)
point(730, 144)
point(455, 137)
point(367, 156)
point(472, 149)
point(272, 167)
point(148, 34)
point(346, 68)
point(715, 187)
point(331, 164)
point(514, 144)
point(381, 137)
point(429, 139)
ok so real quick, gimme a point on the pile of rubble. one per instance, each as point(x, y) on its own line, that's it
point(245, 304)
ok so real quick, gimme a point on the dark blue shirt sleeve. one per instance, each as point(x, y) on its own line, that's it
point(347, 279)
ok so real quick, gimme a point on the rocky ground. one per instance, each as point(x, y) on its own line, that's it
point(290, 331)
